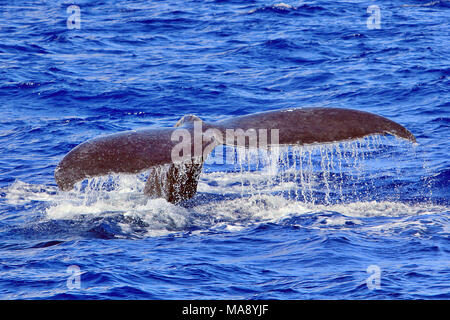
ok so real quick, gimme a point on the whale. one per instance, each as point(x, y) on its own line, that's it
point(174, 156)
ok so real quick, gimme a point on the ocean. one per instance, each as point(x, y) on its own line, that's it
point(365, 219)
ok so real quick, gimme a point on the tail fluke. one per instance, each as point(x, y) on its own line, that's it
point(305, 126)
point(175, 178)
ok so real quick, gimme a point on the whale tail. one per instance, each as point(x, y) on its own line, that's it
point(175, 177)
point(174, 182)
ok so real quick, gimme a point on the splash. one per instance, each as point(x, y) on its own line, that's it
point(321, 174)
point(354, 179)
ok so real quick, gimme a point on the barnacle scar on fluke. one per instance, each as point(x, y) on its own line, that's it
point(151, 149)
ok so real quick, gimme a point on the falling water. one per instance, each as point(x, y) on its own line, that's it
point(327, 173)
point(331, 173)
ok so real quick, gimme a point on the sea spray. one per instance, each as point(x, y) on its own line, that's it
point(316, 174)
point(326, 173)
point(258, 186)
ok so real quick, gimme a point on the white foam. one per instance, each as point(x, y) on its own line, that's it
point(231, 215)
point(279, 189)
point(22, 193)
point(159, 215)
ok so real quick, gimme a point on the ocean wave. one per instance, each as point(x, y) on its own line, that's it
point(287, 8)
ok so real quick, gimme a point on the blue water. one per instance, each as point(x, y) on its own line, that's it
point(375, 226)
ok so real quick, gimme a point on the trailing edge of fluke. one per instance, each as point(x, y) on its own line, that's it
point(150, 149)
